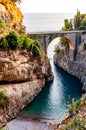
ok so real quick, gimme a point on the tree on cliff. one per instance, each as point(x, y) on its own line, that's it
point(77, 20)
point(67, 25)
point(83, 22)
point(77, 23)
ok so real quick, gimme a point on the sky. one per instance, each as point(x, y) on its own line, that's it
point(53, 6)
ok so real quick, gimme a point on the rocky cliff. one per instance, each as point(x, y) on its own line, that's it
point(76, 68)
point(21, 66)
point(19, 94)
point(10, 15)
point(24, 68)
point(22, 77)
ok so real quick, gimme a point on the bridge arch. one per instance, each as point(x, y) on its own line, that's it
point(70, 41)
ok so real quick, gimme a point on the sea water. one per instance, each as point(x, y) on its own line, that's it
point(51, 103)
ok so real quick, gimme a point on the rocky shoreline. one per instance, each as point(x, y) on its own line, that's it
point(27, 124)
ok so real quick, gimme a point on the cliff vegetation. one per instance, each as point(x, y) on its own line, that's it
point(76, 23)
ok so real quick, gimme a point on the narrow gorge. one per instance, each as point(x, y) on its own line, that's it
point(32, 83)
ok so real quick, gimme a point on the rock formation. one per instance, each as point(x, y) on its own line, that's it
point(10, 15)
point(22, 77)
point(22, 74)
point(76, 68)
point(21, 66)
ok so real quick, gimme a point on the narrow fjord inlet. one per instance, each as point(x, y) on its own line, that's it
point(51, 103)
point(42, 65)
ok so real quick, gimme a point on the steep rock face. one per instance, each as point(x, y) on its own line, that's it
point(22, 75)
point(76, 68)
point(18, 66)
point(25, 76)
point(81, 55)
point(11, 15)
point(19, 96)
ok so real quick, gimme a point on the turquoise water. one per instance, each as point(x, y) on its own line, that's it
point(51, 102)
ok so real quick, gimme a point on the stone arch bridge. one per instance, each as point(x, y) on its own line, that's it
point(73, 37)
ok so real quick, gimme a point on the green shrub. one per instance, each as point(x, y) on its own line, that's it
point(36, 51)
point(64, 42)
point(27, 43)
point(20, 41)
point(75, 106)
point(77, 123)
point(3, 43)
point(37, 43)
point(32, 45)
point(2, 25)
point(36, 48)
point(3, 99)
point(12, 40)
point(57, 49)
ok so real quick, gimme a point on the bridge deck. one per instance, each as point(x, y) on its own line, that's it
point(57, 32)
